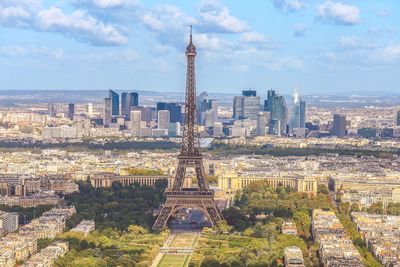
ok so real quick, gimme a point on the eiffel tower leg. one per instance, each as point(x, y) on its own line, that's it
point(213, 214)
point(162, 218)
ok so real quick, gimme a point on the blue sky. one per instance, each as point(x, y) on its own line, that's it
point(317, 46)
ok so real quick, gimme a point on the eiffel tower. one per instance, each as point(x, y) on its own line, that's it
point(178, 197)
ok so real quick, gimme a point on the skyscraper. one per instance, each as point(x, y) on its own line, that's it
point(71, 111)
point(398, 118)
point(129, 100)
point(175, 110)
point(209, 114)
point(136, 117)
point(249, 92)
point(302, 114)
point(51, 109)
point(89, 110)
point(339, 125)
point(246, 106)
point(163, 119)
point(262, 122)
point(269, 100)
point(237, 107)
point(107, 112)
point(114, 97)
point(278, 117)
point(297, 112)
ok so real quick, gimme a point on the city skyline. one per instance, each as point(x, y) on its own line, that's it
point(317, 46)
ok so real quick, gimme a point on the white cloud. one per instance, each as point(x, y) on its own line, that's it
point(352, 42)
point(208, 42)
point(289, 5)
point(388, 54)
point(353, 51)
point(339, 13)
point(252, 37)
point(31, 51)
point(79, 25)
point(168, 23)
point(164, 18)
point(299, 30)
point(106, 4)
point(17, 13)
point(216, 18)
point(124, 56)
point(284, 63)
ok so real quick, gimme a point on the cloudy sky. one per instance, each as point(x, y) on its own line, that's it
point(316, 45)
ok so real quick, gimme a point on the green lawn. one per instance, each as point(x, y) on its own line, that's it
point(184, 240)
point(170, 260)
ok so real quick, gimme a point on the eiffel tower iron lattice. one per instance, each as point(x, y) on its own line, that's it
point(178, 197)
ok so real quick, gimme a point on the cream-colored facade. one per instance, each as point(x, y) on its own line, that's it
point(106, 180)
point(230, 182)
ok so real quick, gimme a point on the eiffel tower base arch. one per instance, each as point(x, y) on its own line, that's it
point(203, 201)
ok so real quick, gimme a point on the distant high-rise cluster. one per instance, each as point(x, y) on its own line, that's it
point(112, 108)
point(250, 118)
point(175, 110)
point(207, 110)
point(246, 106)
point(128, 101)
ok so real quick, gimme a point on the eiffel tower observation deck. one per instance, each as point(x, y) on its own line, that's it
point(178, 197)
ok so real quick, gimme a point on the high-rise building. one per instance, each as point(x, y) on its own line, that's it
point(249, 92)
point(237, 107)
point(297, 112)
point(217, 129)
point(135, 122)
point(278, 115)
point(213, 106)
point(129, 100)
point(51, 109)
point(339, 125)
point(114, 97)
point(163, 119)
point(209, 115)
point(107, 112)
point(174, 129)
point(175, 110)
point(246, 106)
point(89, 110)
point(302, 114)
point(71, 111)
point(398, 118)
point(269, 100)
point(262, 123)
point(8, 222)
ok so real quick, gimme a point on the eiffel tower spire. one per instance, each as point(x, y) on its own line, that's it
point(178, 197)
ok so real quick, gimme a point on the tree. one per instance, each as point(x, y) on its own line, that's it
point(323, 189)
point(236, 218)
point(137, 230)
point(222, 227)
point(161, 184)
point(303, 222)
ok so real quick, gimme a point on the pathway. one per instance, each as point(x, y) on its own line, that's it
point(177, 249)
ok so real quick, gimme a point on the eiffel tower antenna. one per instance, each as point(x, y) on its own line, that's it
point(178, 197)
